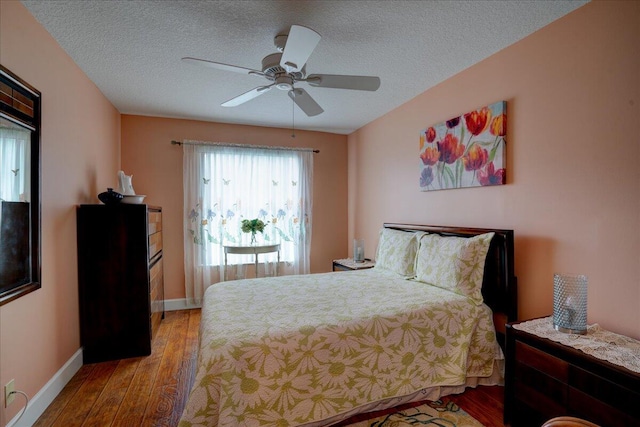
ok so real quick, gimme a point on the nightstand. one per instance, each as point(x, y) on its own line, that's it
point(348, 264)
point(546, 378)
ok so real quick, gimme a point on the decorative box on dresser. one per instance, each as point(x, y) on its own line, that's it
point(546, 378)
point(120, 279)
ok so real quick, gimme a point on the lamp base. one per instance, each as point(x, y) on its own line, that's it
point(569, 331)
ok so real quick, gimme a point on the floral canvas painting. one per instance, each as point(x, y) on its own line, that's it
point(465, 151)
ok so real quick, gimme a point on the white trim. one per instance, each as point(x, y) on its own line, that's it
point(19, 84)
point(17, 122)
point(179, 304)
point(43, 398)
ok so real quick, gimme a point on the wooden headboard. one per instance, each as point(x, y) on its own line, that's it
point(499, 286)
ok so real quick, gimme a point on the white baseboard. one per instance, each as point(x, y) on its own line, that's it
point(43, 398)
point(179, 304)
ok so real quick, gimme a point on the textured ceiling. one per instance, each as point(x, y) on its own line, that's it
point(132, 51)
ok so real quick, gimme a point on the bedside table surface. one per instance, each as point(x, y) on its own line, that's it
point(352, 265)
point(597, 342)
point(547, 378)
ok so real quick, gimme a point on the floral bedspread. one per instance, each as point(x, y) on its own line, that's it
point(291, 350)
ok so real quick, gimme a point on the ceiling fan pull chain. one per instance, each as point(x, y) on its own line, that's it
point(293, 120)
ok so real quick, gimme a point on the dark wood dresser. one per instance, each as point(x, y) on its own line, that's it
point(546, 379)
point(120, 279)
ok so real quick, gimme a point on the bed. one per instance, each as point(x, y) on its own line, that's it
point(313, 350)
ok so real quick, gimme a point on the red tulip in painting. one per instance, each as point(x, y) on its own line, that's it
point(465, 151)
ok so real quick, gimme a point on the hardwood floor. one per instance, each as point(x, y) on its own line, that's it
point(485, 404)
point(152, 391)
point(141, 391)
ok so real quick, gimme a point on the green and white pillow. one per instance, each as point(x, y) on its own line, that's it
point(397, 251)
point(454, 263)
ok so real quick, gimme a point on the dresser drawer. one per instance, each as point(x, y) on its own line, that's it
point(541, 361)
point(540, 392)
point(156, 297)
point(155, 286)
point(600, 412)
point(155, 221)
point(606, 402)
point(155, 244)
point(540, 381)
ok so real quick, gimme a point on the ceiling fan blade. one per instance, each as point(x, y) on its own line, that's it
point(221, 66)
point(344, 82)
point(301, 42)
point(247, 96)
point(305, 102)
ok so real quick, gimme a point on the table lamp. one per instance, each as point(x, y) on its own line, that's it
point(358, 250)
point(570, 303)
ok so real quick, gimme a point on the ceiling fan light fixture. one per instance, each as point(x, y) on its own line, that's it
point(284, 82)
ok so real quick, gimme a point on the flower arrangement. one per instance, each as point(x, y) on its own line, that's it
point(252, 226)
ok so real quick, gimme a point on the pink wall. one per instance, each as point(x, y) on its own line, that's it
point(573, 182)
point(572, 194)
point(156, 166)
point(80, 153)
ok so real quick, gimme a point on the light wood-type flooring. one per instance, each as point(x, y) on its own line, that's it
point(152, 391)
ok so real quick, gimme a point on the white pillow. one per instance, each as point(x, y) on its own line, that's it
point(397, 251)
point(454, 263)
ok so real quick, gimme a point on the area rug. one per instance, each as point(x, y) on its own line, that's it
point(440, 413)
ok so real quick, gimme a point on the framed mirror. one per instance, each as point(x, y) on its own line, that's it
point(20, 250)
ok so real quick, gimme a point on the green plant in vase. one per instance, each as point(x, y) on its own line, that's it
point(252, 226)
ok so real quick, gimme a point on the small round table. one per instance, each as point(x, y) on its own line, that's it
point(251, 250)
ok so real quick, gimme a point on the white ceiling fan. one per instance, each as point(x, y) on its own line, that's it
point(288, 67)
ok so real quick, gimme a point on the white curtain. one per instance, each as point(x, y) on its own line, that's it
point(14, 160)
point(224, 185)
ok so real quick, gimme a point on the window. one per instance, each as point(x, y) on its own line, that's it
point(224, 185)
point(240, 185)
